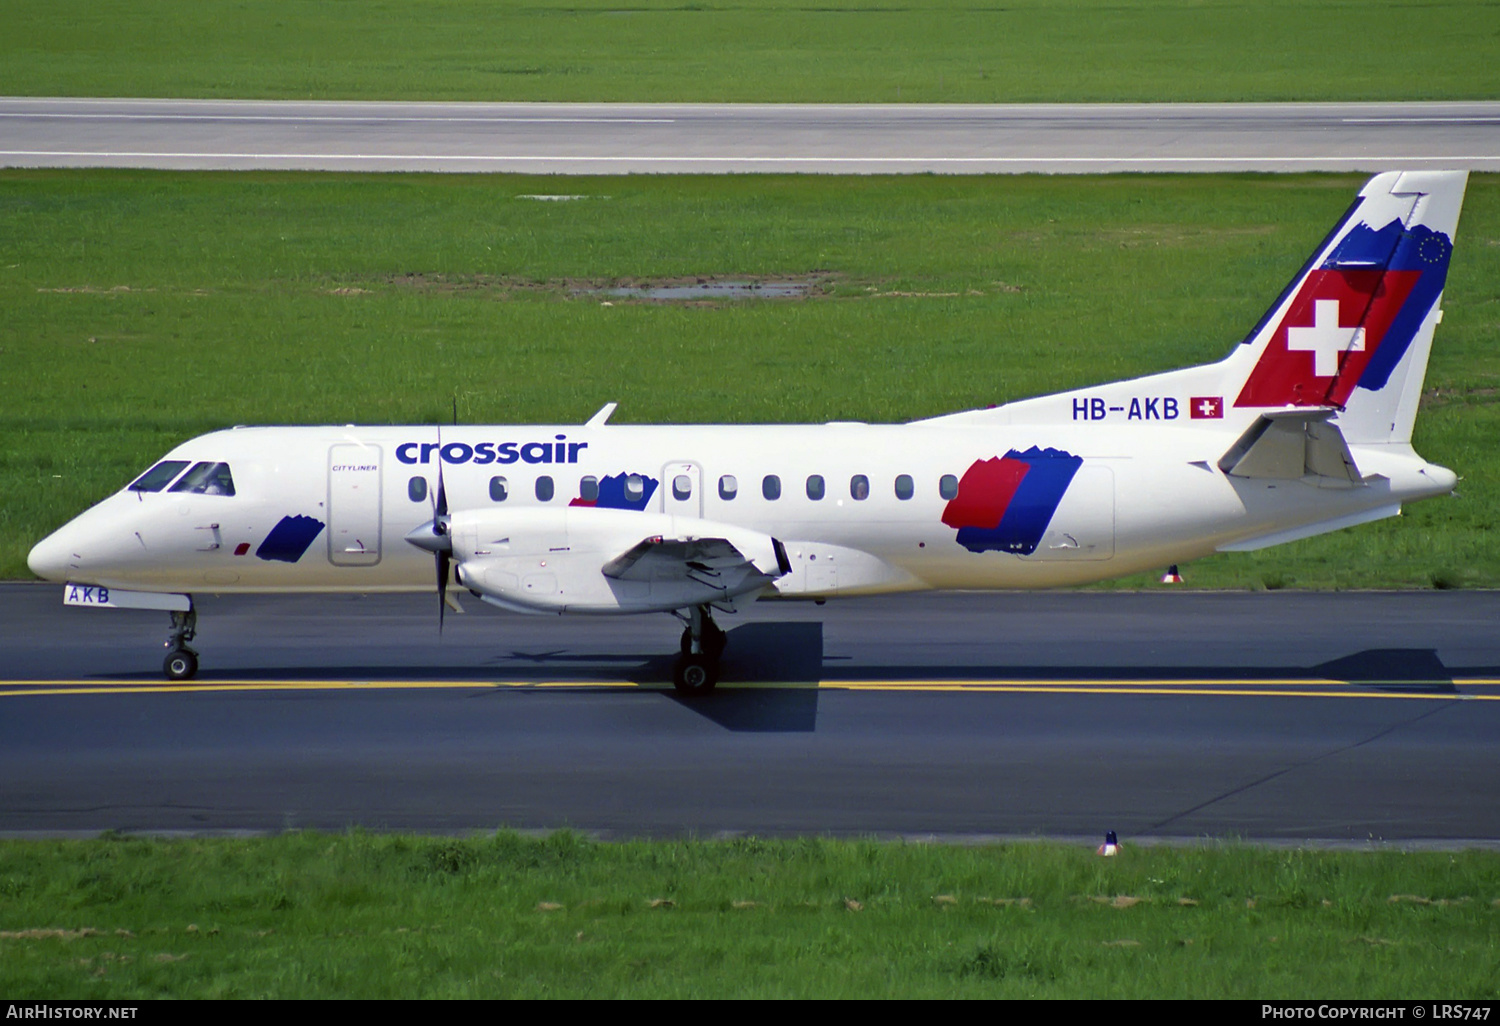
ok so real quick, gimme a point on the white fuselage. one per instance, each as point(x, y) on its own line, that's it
point(1142, 496)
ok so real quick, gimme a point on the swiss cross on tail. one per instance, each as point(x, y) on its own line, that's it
point(1352, 319)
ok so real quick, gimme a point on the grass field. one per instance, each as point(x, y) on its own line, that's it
point(314, 915)
point(142, 308)
point(846, 51)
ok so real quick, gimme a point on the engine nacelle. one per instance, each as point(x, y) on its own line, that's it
point(581, 559)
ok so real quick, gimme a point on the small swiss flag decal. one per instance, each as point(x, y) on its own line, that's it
point(1207, 407)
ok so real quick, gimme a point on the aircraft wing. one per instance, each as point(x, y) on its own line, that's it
point(705, 560)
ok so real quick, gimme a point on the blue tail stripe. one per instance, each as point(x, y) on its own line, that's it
point(1420, 249)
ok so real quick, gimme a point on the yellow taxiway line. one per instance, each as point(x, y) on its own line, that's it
point(1241, 687)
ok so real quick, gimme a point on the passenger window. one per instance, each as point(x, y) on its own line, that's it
point(948, 486)
point(157, 478)
point(904, 489)
point(635, 488)
point(859, 487)
point(588, 489)
point(498, 492)
point(544, 489)
point(771, 487)
point(728, 487)
point(416, 489)
point(206, 479)
point(815, 486)
point(682, 487)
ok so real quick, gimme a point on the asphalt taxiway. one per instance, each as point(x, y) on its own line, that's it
point(618, 138)
point(1352, 718)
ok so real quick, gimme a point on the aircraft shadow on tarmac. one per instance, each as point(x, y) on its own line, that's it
point(771, 671)
point(1393, 669)
point(790, 654)
point(787, 661)
point(1416, 670)
point(770, 674)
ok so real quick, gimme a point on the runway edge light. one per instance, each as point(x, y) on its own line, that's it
point(1111, 845)
point(1171, 576)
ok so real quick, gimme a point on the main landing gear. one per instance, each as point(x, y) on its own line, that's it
point(697, 669)
point(181, 662)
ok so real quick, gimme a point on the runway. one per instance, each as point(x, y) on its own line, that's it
point(624, 138)
point(1347, 719)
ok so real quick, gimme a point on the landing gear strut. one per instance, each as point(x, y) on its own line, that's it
point(181, 662)
point(703, 642)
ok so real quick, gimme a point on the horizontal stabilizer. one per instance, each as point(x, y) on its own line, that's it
point(1290, 445)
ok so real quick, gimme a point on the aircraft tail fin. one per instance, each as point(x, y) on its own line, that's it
point(1353, 330)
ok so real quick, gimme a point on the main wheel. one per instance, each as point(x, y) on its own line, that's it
point(695, 674)
point(181, 664)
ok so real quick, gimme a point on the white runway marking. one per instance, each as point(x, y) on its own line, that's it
point(721, 159)
point(353, 118)
point(1422, 121)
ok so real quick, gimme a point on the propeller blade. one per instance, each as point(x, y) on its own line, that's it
point(442, 493)
point(440, 527)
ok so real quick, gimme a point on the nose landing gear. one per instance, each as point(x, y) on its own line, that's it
point(181, 662)
point(703, 641)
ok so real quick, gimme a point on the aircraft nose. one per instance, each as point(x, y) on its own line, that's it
point(50, 558)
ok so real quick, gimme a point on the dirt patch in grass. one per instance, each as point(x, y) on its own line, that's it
point(667, 289)
point(421, 281)
point(682, 290)
point(1177, 235)
point(96, 290)
point(1433, 398)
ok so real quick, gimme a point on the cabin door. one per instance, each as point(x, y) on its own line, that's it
point(353, 504)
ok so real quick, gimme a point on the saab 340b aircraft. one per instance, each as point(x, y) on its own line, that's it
point(1305, 427)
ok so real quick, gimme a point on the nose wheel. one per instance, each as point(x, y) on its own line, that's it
point(697, 669)
point(181, 662)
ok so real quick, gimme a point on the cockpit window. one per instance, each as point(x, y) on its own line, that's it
point(206, 479)
point(155, 479)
